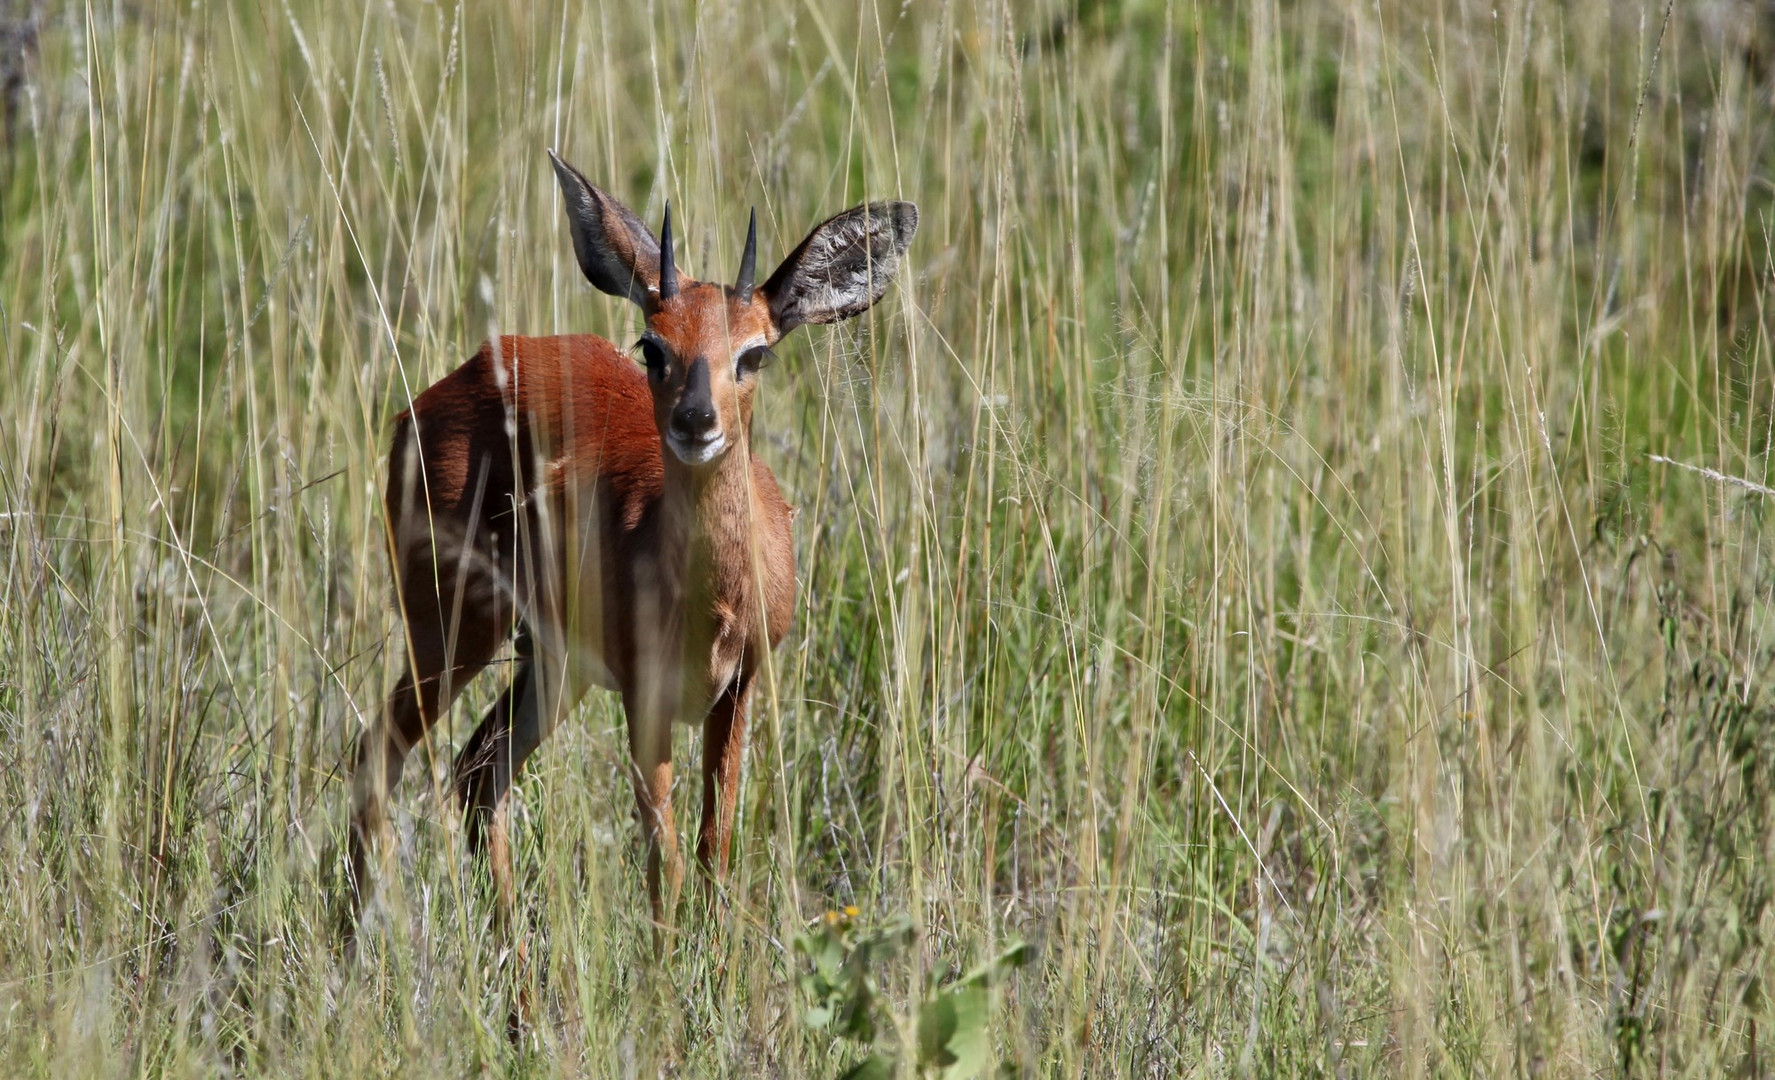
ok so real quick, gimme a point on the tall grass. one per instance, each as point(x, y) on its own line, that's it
point(1290, 545)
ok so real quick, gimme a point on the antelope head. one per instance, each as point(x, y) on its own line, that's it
point(706, 342)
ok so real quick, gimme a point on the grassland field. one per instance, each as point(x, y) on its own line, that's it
point(1289, 547)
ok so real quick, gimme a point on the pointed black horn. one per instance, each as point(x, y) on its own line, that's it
point(742, 286)
point(668, 268)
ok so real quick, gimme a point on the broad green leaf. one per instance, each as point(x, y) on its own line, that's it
point(970, 1044)
point(873, 1067)
point(936, 1026)
point(996, 970)
point(856, 1017)
point(952, 1033)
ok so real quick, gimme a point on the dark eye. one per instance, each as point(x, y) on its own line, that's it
point(653, 354)
point(753, 359)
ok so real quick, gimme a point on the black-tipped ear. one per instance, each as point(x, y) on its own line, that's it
point(843, 267)
point(616, 252)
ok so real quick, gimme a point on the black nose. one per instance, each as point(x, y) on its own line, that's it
point(695, 413)
point(693, 421)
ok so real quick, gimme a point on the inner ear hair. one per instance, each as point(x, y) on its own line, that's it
point(843, 266)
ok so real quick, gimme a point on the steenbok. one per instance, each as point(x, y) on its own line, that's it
point(610, 515)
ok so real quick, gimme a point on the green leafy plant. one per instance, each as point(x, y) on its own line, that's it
point(951, 1027)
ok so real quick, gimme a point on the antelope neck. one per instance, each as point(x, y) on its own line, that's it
point(709, 511)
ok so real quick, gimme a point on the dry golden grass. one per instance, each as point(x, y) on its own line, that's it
point(1290, 545)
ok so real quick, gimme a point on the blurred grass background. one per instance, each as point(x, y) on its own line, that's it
point(1290, 545)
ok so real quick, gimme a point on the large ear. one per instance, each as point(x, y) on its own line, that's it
point(843, 267)
point(616, 252)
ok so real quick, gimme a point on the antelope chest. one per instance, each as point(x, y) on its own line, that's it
point(704, 663)
point(712, 661)
point(688, 648)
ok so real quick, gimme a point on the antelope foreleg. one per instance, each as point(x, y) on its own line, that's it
point(724, 741)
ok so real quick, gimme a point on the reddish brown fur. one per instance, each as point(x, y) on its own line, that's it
point(475, 508)
point(619, 517)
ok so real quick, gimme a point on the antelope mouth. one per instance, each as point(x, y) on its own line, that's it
point(697, 451)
